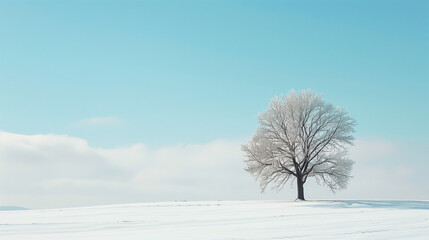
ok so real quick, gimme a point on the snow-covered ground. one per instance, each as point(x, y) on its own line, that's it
point(224, 220)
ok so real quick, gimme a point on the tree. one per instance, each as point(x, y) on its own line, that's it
point(301, 136)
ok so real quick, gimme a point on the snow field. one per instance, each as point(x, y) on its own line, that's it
point(224, 220)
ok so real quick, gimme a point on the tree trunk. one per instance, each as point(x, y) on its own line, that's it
point(300, 185)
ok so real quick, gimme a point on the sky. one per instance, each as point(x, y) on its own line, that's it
point(151, 100)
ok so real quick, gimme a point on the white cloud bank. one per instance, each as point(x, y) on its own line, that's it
point(45, 171)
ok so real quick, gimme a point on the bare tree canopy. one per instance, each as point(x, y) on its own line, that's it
point(301, 136)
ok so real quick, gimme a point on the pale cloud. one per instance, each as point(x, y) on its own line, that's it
point(386, 170)
point(39, 171)
point(371, 150)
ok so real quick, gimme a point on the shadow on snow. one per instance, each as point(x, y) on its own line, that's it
point(393, 204)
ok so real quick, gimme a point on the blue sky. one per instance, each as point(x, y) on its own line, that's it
point(194, 71)
point(162, 73)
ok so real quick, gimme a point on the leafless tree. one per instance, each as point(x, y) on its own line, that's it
point(301, 136)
